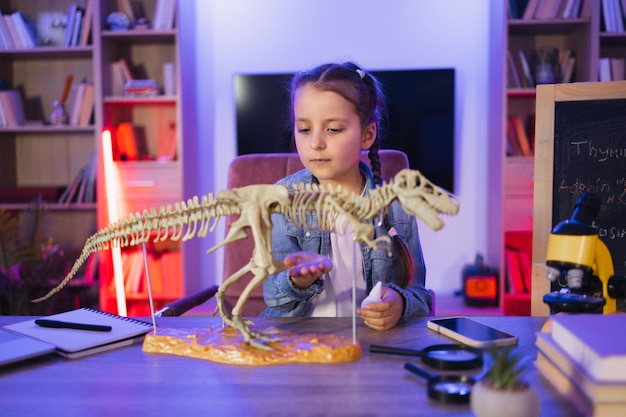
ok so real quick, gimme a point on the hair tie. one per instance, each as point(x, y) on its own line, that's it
point(361, 73)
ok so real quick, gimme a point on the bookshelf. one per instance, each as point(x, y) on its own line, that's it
point(38, 158)
point(584, 35)
point(149, 174)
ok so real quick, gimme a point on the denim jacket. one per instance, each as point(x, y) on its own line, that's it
point(283, 299)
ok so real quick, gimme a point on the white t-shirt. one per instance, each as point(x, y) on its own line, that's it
point(336, 299)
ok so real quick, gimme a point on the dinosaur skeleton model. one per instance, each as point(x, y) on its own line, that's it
point(255, 204)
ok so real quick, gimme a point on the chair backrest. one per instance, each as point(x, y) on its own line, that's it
point(267, 169)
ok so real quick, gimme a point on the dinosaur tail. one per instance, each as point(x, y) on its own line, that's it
point(92, 245)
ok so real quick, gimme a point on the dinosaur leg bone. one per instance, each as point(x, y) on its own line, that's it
point(235, 319)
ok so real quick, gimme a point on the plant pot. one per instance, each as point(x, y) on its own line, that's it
point(487, 401)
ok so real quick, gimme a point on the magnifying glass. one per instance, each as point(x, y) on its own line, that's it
point(447, 357)
point(448, 389)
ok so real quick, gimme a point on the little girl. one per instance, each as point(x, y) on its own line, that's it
point(337, 111)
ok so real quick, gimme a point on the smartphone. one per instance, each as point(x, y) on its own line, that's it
point(471, 332)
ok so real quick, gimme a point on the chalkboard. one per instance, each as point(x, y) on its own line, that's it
point(581, 147)
point(590, 156)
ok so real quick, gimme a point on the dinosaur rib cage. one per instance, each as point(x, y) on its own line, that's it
point(328, 203)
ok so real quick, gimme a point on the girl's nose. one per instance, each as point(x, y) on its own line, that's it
point(316, 140)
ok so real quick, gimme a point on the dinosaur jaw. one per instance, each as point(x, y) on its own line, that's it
point(430, 209)
point(428, 215)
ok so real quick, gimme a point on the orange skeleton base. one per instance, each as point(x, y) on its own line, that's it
point(229, 346)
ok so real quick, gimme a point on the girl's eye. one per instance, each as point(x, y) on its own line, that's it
point(303, 130)
point(335, 129)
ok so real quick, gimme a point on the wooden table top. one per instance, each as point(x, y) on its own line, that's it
point(127, 381)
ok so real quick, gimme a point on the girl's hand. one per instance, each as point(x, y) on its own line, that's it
point(306, 267)
point(385, 314)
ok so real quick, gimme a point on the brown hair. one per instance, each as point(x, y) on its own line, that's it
point(366, 94)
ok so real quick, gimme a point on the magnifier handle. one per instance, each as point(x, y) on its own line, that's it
point(417, 370)
point(395, 351)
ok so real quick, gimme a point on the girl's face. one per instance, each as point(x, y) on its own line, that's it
point(329, 137)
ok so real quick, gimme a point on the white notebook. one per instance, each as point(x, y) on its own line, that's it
point(74, 343)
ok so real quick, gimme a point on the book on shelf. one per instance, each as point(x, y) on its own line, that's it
point(91, 269)
point(513, 76)
point(155, 268)
point(529, 11)
point(87, 105)
point(77, 102)
point(15, 36)
point(6, 39)
point(612, 16)
point(521, 135)
point(126, 142)
point(618, 68)
point(12, 108)
point(168, 143)
point(513, 148)
point(169, 79)
point(595, 341)
point(604, 69)
point(164, 15)
point(85, 30)
point(567, 73)
point(71, 191)
point(171, 267)
point(547, 9)
point(24, 30)
point(132, 267)
point(121, 73)
point(87, 185)
point(3, 119)
point(77, 25)
point(74, 343)
point(556, 363)
point(570, 9)
point(82, 187)
point(69, 22)
point(90, 189)
point(82, 104)
point(514, 271)
point(524, 65)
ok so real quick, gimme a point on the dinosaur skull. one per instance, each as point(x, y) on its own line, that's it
point(423, 199)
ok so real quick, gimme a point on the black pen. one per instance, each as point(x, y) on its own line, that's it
point(67, 325)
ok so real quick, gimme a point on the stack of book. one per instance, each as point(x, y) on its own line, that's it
point(584, 358)
point(544, 9)
point(18, 32)
point(83, 104)
point(613, 15)
point(82, 189)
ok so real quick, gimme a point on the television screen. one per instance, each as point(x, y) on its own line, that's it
point(421, 117)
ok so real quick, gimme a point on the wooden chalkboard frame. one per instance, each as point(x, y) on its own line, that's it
point(548, 96)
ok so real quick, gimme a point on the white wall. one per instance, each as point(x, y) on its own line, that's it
point(284, 36)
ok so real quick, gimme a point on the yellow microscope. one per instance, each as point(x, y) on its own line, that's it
point(579, 264)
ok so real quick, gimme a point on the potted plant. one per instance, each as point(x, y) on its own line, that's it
point(504, 389)
point(28, 261)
